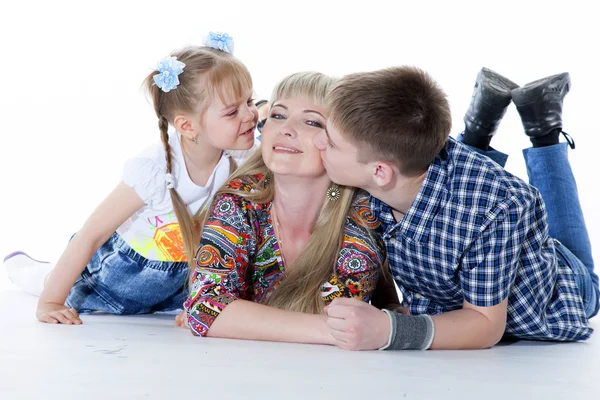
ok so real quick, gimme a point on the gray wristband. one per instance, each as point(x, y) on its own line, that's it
point(409, 332)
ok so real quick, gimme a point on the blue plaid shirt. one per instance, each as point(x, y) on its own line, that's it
point(477, 233)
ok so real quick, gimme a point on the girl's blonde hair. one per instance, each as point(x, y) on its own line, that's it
point(301, 289)
point(207, 73)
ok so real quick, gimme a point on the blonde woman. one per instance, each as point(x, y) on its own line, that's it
point(280, 241)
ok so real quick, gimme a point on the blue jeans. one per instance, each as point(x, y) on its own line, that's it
point(119, 280)
point(550, 172)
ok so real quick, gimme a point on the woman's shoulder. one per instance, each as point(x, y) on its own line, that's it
point(362, 232)
point(361, 212)
point(233, 206)
point(234, 195)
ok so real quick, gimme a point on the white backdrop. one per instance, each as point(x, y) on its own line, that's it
point(72, 111)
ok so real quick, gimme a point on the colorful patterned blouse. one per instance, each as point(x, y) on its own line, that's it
point(239, 257)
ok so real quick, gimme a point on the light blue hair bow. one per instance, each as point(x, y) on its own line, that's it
point(220, 41)
point(168, 71)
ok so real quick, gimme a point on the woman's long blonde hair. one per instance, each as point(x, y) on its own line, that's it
point(208, 72)
point(301, 289)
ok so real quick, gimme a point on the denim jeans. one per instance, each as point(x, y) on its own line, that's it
point(550, 172)
point(118, 280)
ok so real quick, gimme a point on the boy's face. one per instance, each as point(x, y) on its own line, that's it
point(340, 158)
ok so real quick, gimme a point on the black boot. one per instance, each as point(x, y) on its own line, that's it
point(491, 97)
point(540, 105)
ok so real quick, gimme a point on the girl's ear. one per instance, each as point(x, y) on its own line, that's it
point(185, 127)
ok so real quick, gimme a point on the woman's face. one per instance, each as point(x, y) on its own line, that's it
point(287, 138)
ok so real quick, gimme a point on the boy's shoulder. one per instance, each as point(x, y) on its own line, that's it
point(475, 176)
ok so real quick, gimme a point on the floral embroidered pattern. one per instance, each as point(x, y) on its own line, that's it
point(238, 258)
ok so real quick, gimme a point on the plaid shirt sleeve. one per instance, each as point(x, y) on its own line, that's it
point(489, 268)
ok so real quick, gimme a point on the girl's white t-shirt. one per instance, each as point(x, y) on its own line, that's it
point(153, 231)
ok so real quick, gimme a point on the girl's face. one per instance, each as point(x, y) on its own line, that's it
point(287, 138)
point(230, 126)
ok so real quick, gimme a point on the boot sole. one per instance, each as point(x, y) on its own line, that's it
point(497, 87)
point(532, 91)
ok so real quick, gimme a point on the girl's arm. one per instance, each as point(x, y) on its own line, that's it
point(120, 204)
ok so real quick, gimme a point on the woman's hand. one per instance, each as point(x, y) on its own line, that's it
point(54, 313)
point(182, 320)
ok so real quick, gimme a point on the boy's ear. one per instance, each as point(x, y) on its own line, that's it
point(383, 173)
point(185, 127)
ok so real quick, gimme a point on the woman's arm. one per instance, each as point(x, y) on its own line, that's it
point(248, 320)
point(251, 321)
point(220, 303)
point(120, 204)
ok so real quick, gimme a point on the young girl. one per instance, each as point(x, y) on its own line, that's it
point(130, 256)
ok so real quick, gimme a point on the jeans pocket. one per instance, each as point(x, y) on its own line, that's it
point(582, 278)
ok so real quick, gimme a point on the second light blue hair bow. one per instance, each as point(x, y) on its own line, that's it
point(219, 40)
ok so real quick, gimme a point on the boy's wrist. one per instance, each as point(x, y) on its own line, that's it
point(385, 345)
point(409, 332)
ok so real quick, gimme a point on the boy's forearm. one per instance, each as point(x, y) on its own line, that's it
point(464, 329)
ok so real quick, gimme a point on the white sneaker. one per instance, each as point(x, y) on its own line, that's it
point(26, 272)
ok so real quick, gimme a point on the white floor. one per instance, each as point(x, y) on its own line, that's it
point(146, 357)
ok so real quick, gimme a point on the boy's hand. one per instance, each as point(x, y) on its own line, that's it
point(357, 325)
point(395, 307)
point(54, 313)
